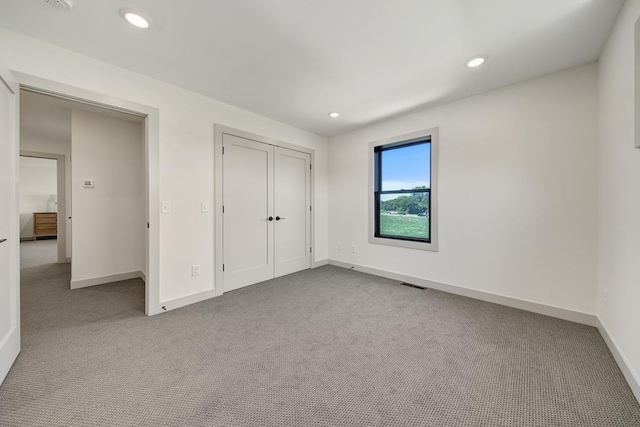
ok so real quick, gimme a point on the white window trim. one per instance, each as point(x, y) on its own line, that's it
point(433, 208)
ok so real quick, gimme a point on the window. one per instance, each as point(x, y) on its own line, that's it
point(403, 192)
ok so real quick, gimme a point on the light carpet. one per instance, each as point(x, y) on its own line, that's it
point(325, 347)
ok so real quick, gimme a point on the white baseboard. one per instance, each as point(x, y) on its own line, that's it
point(535, 307)
point(629, 374)
point(320, 263)
point(83, 283)
point(184, 301)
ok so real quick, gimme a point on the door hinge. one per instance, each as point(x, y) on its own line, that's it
point(309, 208)
point(222, 208)
point(309, 166)
point(147, 225)
point(310, 250)
point(222, 149)
point(222, 267)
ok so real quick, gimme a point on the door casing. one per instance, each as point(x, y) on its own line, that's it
point(62, 199)
point(153, 305)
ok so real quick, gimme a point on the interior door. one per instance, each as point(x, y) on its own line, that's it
point(9, 241)
point(247, 182)
point(293, 211)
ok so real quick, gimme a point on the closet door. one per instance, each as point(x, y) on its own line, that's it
point(292, 211)
point(247, 180)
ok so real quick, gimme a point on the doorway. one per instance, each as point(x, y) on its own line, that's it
point(106, 190)
point(264, 196)
point(11, 85)
point(43, 205)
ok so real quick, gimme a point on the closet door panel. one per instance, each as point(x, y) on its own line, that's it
point(292, 207)
point(248, 203)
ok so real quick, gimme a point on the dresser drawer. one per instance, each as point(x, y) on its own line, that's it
point(45, 224)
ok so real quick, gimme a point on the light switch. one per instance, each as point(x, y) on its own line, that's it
point(166, 207)
point(204, 207)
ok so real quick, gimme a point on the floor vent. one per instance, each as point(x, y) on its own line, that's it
point(413, 286)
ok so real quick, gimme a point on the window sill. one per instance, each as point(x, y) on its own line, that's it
point(433, 246)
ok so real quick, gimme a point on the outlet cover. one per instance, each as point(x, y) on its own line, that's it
point(195, 270)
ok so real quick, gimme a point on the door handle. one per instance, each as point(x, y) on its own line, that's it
point(279, 218)
point(3, 240)
point(270, 218)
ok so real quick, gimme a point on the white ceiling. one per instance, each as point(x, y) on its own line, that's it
point(49, 117)
point(297, 60)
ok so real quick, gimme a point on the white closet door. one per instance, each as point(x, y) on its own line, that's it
point(248, 203)
point(292, 207)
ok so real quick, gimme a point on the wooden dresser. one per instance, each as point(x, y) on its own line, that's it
point(45, 224)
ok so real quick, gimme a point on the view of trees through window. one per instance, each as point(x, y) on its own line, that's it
point(414, 204)
point(403, 191)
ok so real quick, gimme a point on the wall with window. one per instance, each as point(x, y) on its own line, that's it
point(619, 191)
point(517, 192)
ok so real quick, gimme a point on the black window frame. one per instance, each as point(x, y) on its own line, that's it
point(378, 192)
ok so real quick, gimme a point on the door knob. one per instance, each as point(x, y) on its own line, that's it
point(279, 218)
point(270, 218)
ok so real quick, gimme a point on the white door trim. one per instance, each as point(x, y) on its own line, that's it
point(152, 165)
point(218, 253)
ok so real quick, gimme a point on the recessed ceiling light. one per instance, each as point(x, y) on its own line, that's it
point(334, 115)
point(134, 19)
point(476, 61)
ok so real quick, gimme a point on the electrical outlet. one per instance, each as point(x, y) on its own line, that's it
point(195, 270)
point(339, 246)
point(353, 249)
point(166, 207)
point(204, 207)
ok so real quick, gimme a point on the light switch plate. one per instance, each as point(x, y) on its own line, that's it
point(204, 207)
point(195, 270)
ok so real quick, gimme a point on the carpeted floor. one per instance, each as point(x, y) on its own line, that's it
point(326, 347)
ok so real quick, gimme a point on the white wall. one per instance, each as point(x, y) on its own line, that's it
point(186, 152)
point(51, 146)
point(109, 221)
point(38, 182)
point(517, 203)
point(619, 192)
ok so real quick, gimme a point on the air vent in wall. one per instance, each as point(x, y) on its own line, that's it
point(61, 4)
